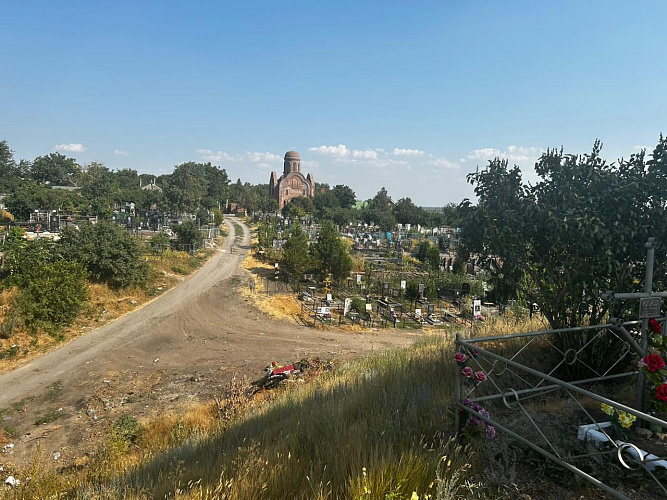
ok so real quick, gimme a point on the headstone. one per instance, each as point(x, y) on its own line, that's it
point(418, 313)
point(420, 288)
point(476, 307)
point(369, 307)
point(403, 284)
point(358, 278)
point(323, 310)
point(348, 305)
point(431, 309)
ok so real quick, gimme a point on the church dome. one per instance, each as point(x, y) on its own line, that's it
point(292, 155)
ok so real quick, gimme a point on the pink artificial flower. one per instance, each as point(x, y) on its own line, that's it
point(480, 376)
point(459, 357)
point(467, 372)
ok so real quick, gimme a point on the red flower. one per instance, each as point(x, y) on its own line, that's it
point(661, 392)
point(655, 326)
point(654, 362)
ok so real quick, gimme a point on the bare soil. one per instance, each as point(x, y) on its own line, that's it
point(180, 349)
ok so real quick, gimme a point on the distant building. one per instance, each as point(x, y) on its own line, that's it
point(151, 187)
point(292, 184)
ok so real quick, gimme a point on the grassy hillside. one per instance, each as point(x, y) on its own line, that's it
point(375, 428)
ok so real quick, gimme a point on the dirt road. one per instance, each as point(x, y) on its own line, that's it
point(181, 348)
point(122, 333)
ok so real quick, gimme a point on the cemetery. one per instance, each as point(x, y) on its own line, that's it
point(387, 289)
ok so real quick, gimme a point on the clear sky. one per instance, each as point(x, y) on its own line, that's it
point(409, 95)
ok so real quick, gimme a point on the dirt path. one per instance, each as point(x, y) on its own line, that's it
point(182, 347)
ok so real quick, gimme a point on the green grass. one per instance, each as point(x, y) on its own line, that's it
point(19, 405)
point(48, 417)
point(54, 390)
point(180, 270)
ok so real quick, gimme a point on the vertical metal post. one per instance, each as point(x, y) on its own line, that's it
point(648, 288)
point(457, 390)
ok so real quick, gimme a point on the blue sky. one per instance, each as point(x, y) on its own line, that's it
point(409, 95)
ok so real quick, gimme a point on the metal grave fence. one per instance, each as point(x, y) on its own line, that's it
point(536, 386)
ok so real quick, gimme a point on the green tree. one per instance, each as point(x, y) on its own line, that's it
point(378, 211)
point(160, 242)
point(29, 196)
point(296, 259)
point(345, 195)
point(108, 252)
point(55, 169)
point(186, 187)
point(575, 233)
point(298, 207)
point(9, 172)
point(433, 258)
point(266, 234)
point(405, 211)
point(99, 186)
point(331, 253)
point(422, 251)
point(218, 217)
point(188, 234)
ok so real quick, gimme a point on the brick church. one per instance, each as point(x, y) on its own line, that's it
point(292, 183)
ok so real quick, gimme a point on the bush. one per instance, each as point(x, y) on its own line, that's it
point(160, 242)
point(179, 270)
point(127, 428)
point(107, 251)
point(217, 217)
point(54, 295)
point(188, 234)
point(359, 305)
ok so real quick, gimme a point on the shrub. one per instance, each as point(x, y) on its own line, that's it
point(188, 234)
point(54, 294)
point(107, 251)
point(126, 428)
point(179, 270)
point(160, 242)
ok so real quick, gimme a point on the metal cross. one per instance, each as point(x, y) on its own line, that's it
point(649, 307)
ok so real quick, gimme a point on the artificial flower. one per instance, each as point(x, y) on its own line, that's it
point(609, 410)
point(661, 392)
point(467, 372)
point(655, 326)
point(626, 419)
point(654, 362)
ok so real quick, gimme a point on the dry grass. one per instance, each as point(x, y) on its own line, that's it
point(277, 306)
point(508, 324)
point(386, 414)
point(253, 264)
point(358, 263)
point(282, 307)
